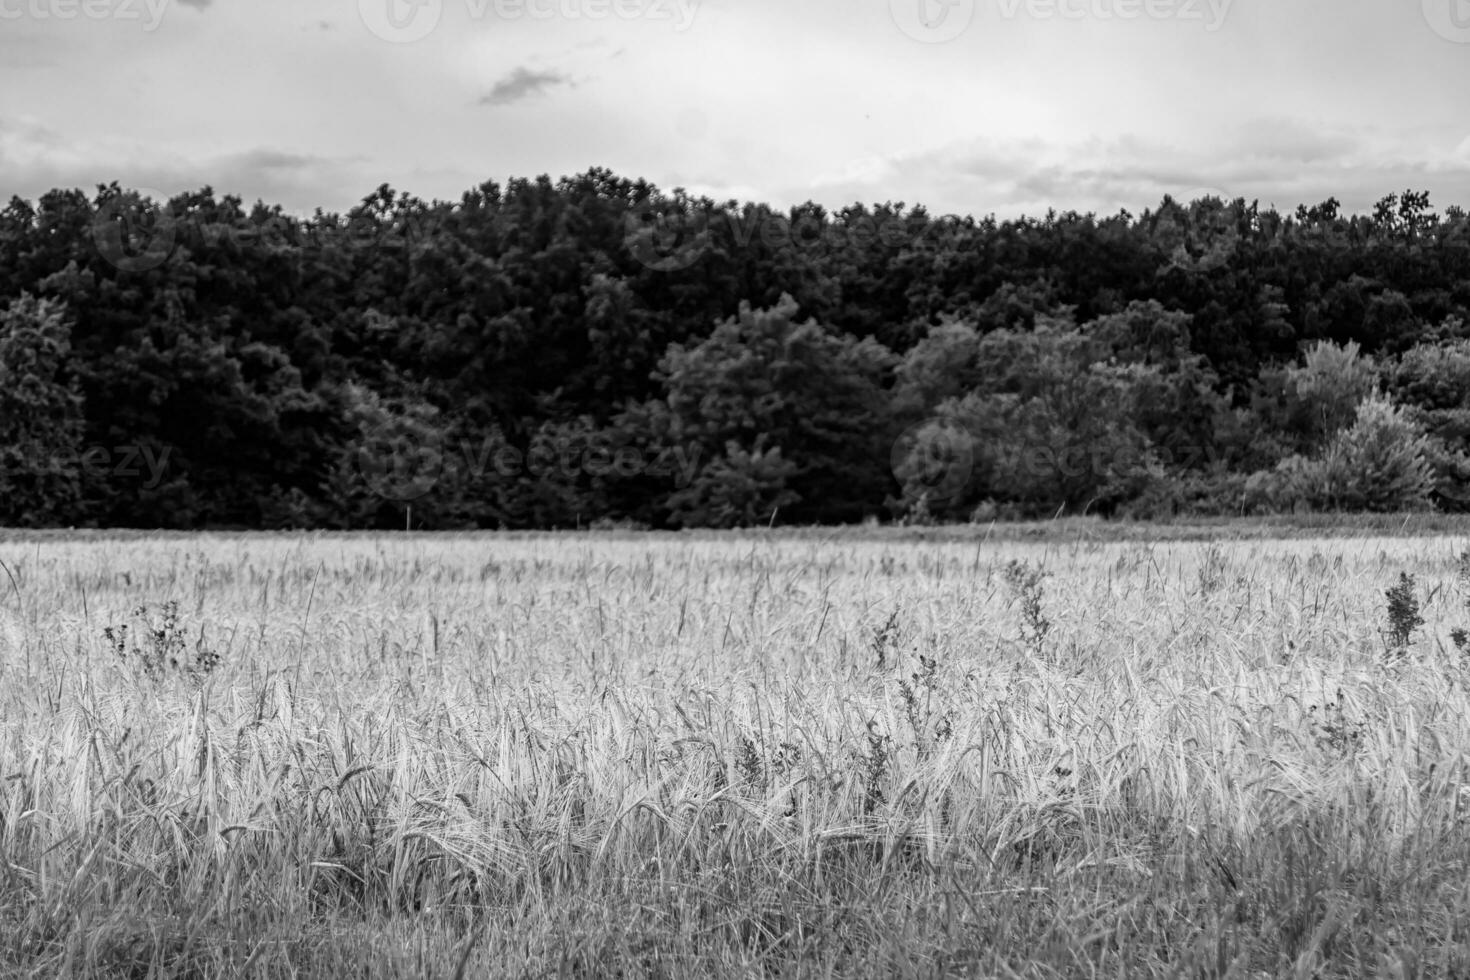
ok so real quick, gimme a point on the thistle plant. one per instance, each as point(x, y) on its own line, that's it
point(928, 730)
point(157, 646)
point(1403, 614)
point(1025, 582)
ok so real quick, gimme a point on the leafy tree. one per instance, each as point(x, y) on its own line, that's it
point(1054, 424)
point(595, 313)
point(941, 366)
point(1297, 410)
point(40, 416)
point(1432, 382)
point(1176, 397)
point(739, 488)
point(562, 479)
point(1379, 463)
point(1330, 385)
point(393, 460)
point(819, 399)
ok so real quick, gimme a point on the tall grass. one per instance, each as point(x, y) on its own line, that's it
point(657, 756)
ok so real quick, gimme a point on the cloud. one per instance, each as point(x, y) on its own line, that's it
point(522, 84)
point(274, 160)
point(36, 159)
point(1278, 162)
point(1283, 140)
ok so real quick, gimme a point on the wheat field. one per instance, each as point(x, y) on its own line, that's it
point(732, 756)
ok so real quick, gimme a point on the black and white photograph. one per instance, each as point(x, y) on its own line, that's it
point(735, 489)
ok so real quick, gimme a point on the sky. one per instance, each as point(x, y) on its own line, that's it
point(976, 107)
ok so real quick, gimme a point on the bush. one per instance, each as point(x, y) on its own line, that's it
point(1217, 492)
point(1301, 409)
point(1332, 382)
point(1432, 380)
point(740, 488)
point(1378, 464)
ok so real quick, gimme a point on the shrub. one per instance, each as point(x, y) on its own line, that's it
point(1215, 492)
point(1378, 464)
point(1332, 383)
point(1403, 613)
point(742, 488)
point(1432, 381)
point(158, 647)
point(1383, 458)
point(1025, 582)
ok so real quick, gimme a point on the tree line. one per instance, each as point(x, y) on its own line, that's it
point(595, 350)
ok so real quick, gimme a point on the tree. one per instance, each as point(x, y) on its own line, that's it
point(764, 383)
point(1054, 423)
point(1432, 382)
point(1297, 410)
point(739, 488)
point(1379, 463)
point(1176, 399)
point(394, 460)
point(593, 314)
point(1330, 385)
point(40, 416)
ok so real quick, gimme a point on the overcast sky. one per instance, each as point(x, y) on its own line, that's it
point(966, 106)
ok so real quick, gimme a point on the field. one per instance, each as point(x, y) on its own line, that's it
point(761, 755)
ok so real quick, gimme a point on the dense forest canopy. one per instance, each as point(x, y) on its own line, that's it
point(595, 349)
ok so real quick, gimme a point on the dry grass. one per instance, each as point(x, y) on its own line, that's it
point(663, 756)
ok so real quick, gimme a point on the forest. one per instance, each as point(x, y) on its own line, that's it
point(594, 351)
